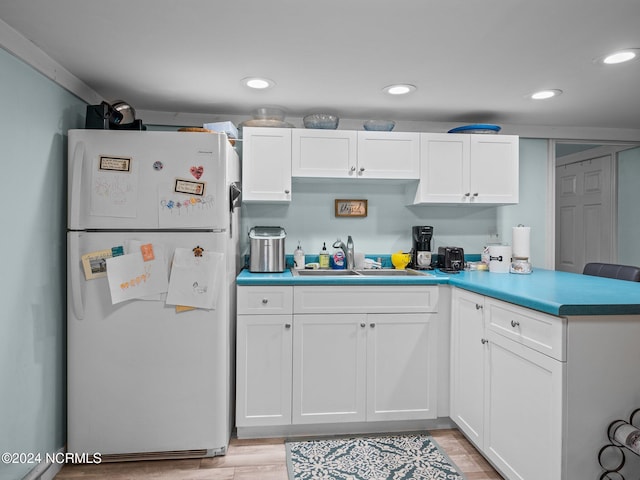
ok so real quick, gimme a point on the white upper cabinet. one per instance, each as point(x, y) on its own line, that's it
point(450, 168)
point(473, 169)
point(352, 154)
point(324, 153)
point(391, 155)
point(266, 165)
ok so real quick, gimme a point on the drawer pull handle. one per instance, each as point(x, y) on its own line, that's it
point(484, 341)
point(478, 306)
point(363, 324)
point(265, 301)
point(287, 325)
point(515, 324)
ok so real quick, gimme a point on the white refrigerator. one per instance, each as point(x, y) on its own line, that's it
point(150, 354)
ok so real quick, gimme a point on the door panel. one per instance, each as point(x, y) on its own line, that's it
point(584, 216)
point(401, 366)
point(329, 358)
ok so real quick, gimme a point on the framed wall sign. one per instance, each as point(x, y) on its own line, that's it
point(350, 208)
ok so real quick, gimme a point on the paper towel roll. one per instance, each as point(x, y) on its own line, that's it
point(521, 242)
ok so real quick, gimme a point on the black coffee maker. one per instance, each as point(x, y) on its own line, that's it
point(421, 247)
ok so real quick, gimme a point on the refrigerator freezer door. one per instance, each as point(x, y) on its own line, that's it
point(141, 377)
point(147, 180)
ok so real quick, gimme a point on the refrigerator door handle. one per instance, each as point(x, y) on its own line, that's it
point(73, 254)
point(74, 186)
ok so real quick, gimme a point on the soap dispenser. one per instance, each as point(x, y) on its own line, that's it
point(298, 258)
point(323, 258)
point(338, 261)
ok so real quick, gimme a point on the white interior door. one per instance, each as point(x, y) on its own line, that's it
point(584, 213)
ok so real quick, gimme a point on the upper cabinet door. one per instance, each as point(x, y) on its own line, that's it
point(461, 168)
point(444, 168)
point(324, 153)
point(494, 168)
point(388, 155)
point(266, 165)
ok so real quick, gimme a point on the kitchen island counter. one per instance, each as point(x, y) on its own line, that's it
point(549, 291)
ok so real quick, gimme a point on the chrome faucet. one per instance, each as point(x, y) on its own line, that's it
point(351, 262)
point(347, 250)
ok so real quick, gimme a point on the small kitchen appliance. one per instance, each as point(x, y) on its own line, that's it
point(450, 259)
point(266, 246)
point(421, 246)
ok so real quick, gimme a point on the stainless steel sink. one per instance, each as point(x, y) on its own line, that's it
point(323, 273)
point(382, 272)
point(392, 273)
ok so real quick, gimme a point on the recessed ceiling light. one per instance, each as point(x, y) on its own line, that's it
point(399, 89)
point(621, 56)
point(258, 83)
point(544, 94)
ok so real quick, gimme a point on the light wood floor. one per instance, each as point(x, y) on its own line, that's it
point(263, 459)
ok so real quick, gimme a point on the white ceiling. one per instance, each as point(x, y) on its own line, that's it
point(472, 60)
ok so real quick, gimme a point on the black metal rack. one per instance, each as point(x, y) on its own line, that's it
point(612, 457)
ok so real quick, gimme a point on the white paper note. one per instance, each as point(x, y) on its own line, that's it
point(130, 277)
point(194, 280)
point(114, 191)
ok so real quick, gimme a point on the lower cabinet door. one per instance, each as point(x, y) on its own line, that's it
point(468, 349)
point(523, 418)
point(329, 358)
point(263, 370)
point(401, 366)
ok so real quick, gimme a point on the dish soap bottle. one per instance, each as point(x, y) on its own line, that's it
point(323, 258)
point(298, 258)
point(337, 259)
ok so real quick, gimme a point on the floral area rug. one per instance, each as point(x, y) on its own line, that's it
point(393, 457)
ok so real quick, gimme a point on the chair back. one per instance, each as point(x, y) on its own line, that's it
point(610, 270)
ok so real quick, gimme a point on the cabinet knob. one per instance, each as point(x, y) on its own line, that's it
point(353, 169)
point(468, 194)
point(287, 325)
point(361, 169)
point(484, 341)
point(515, 324)
point(265, 301)
point(475, 194)
point(287, 192)
point(478, 306)
point(363, 324)
point(372, 325)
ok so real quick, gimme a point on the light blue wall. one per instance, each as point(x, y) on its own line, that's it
point(36, 114)
point(628, 212)
point(310, 216)
point(532, 209)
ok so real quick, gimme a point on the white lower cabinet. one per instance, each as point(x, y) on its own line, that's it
point(264, 355)
point(329, 355)
point(364, 367)
point(263, 388)
point(506, 396)
point(329, 360)
point(401, 366)
point(467, 364)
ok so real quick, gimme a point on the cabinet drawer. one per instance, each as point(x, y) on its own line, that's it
point(265, 300)
point(366, 299)
point(539, 331)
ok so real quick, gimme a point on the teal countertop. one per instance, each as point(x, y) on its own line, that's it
point(549, 291)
